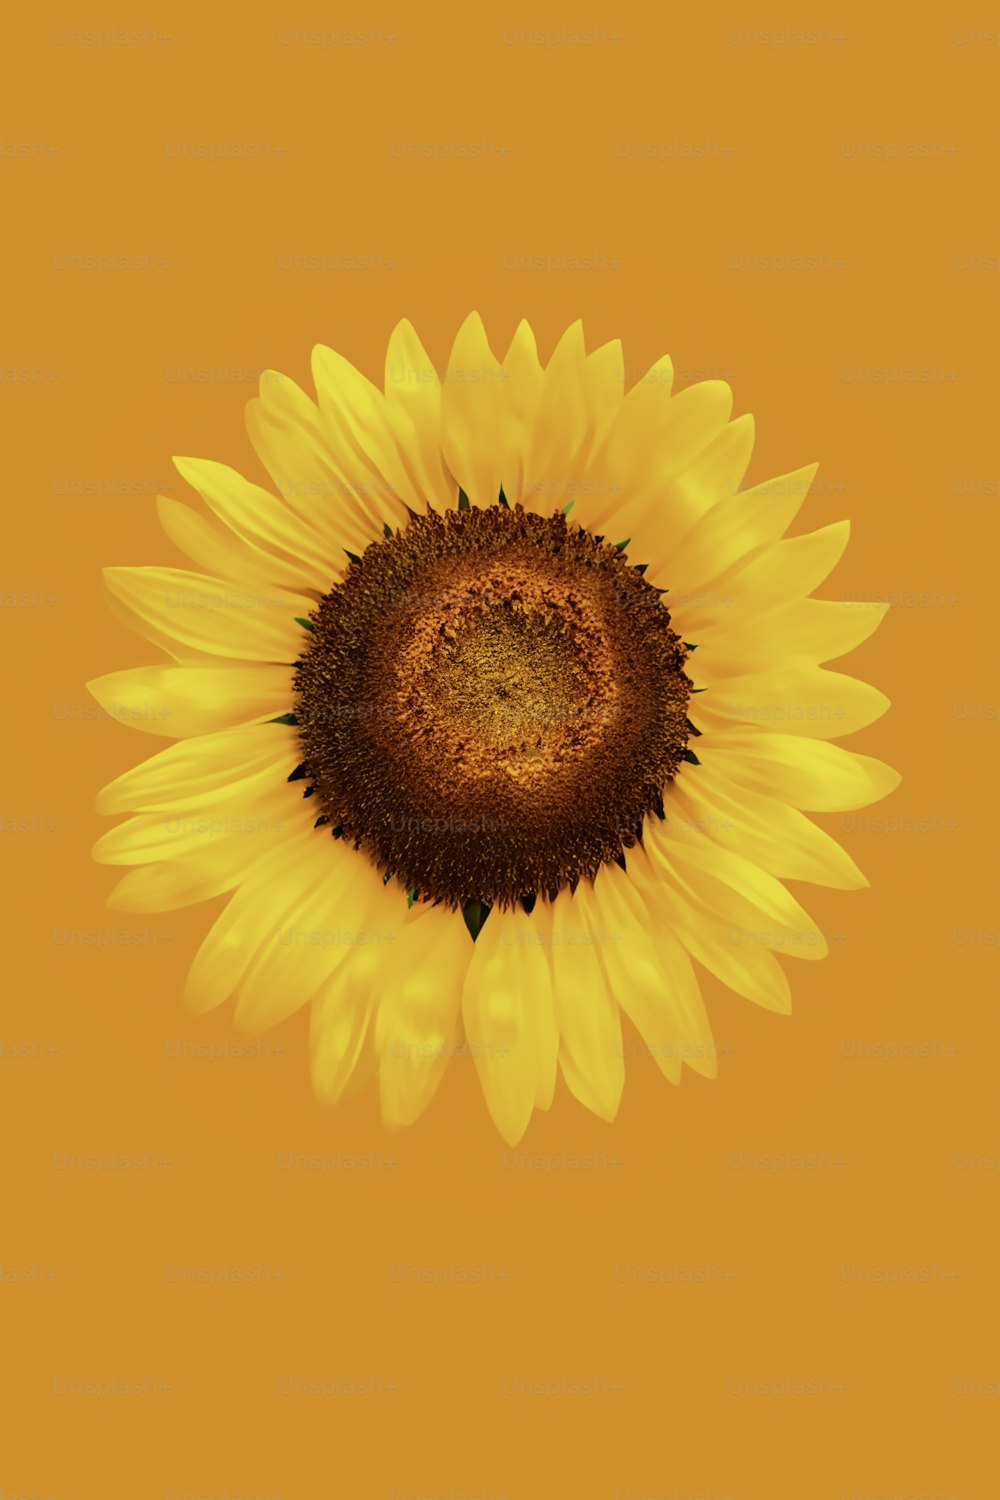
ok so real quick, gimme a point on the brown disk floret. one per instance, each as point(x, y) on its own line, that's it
point(490, 704)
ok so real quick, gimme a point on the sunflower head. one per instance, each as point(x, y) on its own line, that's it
point(436, 733)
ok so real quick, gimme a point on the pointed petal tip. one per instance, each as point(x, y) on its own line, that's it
point(95, 849)
point(512, 1134)
point(509, 1123)
point(471, 341)
point(106, 803)
point(706, 1066)
point(889, 780)
point(605, 1101)
point(192, 1002)
point(128, 900)
point(573, 332)
point(472, 321)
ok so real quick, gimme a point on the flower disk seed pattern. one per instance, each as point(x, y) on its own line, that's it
point(490, 704)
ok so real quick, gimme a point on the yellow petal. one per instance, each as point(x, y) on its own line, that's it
point(523, 374)
point(205, 544)
point(359, 419)
point(219, 551)
point(195, 770)
point(412, 381)
point(319, 916)
point(806, 773)
point(648, 973)
point(233, 940)
point(820, 629)
point(193, 615)
point(559, 425)
point(781, 574)
point(735, 527)
point(778, 838)
point(419, 1002)
point(217, 865)
point(474, 428)
point(413, 396)
point(824, 629)
point(302, 558)
point(591, 1055)
point(741, 891)
point(715, 474)
point(341, 1046)
point(751, 971)
point(648, 422)
point(258, 804)
point(657, 520)
point(317, 475)
point(794, 696)
point(604, 388)
point(523, 382)
point(757, 909)
point(213, 852)
point(509, 1019)
point(655, 444)
point(178, 701)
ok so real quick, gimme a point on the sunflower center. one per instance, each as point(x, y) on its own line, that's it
point(490, 704)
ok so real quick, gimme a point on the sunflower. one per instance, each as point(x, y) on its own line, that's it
point(500, 717)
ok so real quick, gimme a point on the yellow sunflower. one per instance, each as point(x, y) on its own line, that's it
point(497, 719)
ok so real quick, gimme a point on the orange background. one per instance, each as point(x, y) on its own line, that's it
point(751, 1275)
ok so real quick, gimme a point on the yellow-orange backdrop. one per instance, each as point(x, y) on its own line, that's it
point(781, 1284)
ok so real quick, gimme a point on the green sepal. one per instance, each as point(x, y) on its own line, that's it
point(475, 914)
